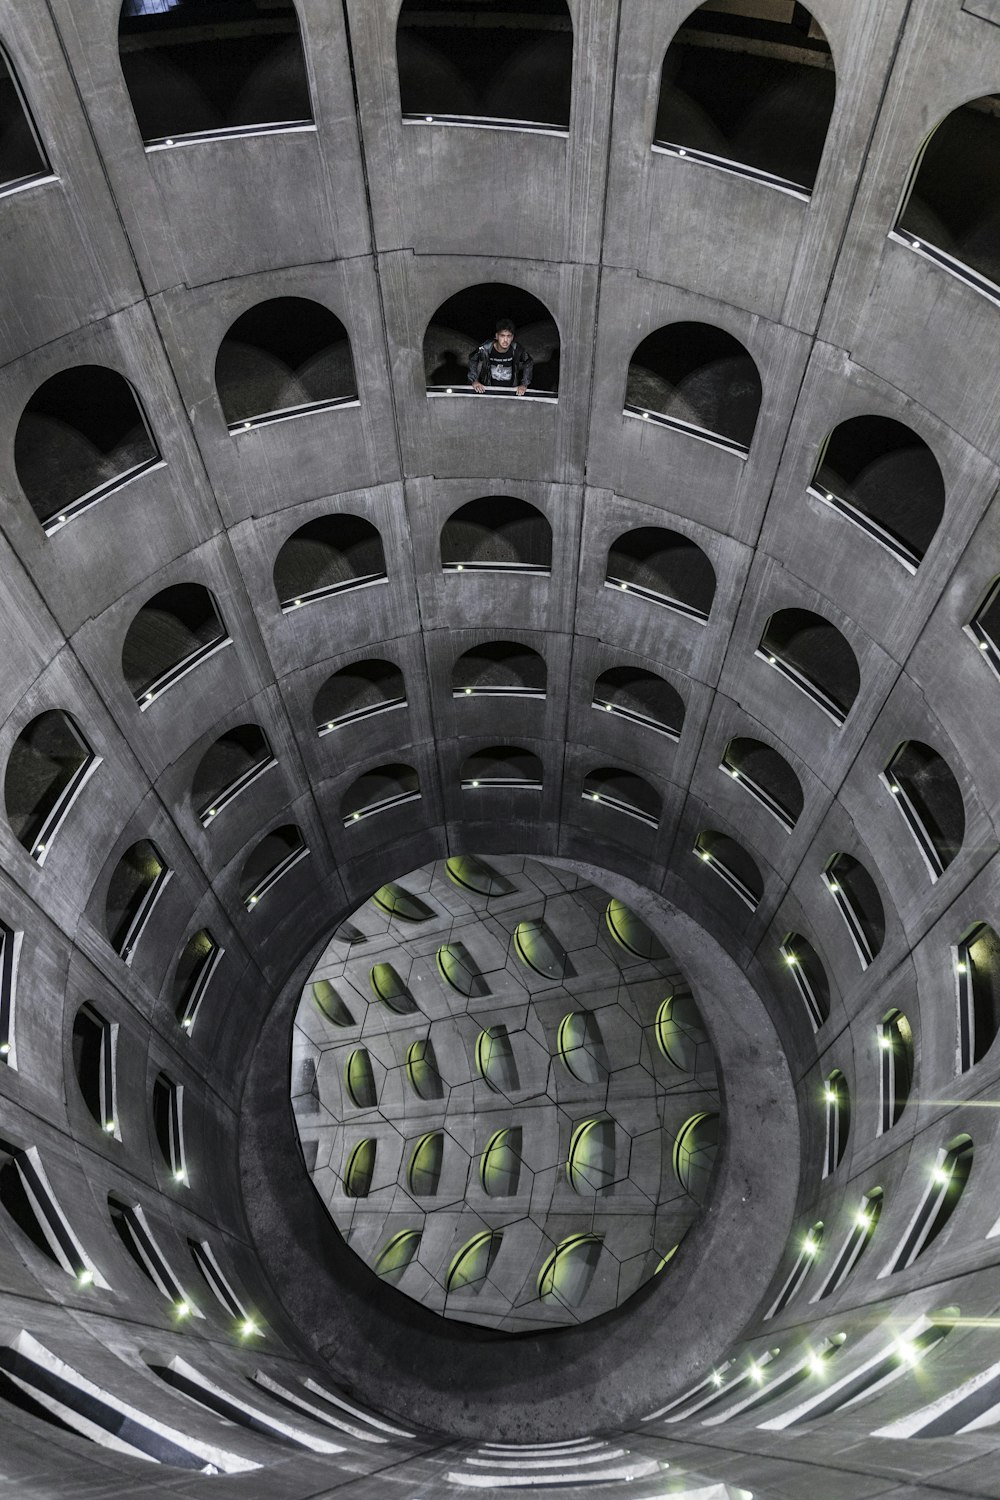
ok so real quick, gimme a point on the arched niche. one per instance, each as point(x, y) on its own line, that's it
point(750, 89)
point(486, 63)
point(281, 359)
point(468, 318)
point(951, 209)
point(81, 436)
point(198, 71)
point(698, 379)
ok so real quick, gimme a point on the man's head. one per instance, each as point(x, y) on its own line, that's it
point(504, 335)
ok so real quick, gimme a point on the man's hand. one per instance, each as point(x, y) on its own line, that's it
point(521, 390)
point(478, 387)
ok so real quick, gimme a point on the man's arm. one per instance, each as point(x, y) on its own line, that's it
point(476, 362)
point(527, 370)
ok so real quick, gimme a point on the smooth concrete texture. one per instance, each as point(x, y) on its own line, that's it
point(140, 261)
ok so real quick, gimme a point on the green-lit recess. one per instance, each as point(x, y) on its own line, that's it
point(500, 1165)
point(330, 1003)
point(590, 1165)
point(495, 1059)
point(680, 1035)
point(476, 875)
point(361, 1079)
point(632, 934)
point(422, 1070)
point(581, 1047)
point(540, 949)
point(396, 1254)
point(424, 1171)
point(566, 1275)
point(391, 990)
point(473, 1262)
point(666, 1259)
point(397, 901)
point(695, 1150)
point(459, 968)
point(360, 1169)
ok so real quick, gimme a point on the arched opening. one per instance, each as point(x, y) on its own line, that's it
point(698, 379)
point(749, 88)
point(486, 63)
point(581, 1049)
point(565, 1278)
point(196, 967)
point(641, 697)
point(837, 1103)
point(894, 1037)
point(500, 1164)
point(884, 478)
point(213, 68)
point(330, 555)
point(94, 1042)
point(360, 1169)
point(459, 344)
point(357, 692)
point(331, 1004)
point(663, 567)
point(10, 948)
point(137, 883)
point(424, 1171)
point(680, 1033)
point(422, 1070)
point(806, 968)
point(624, 792)
point(927, 794)
point(81, 436)
point(376, 791)
point(228, 767)
point(27, 1197)
point(767, 776)
point(403, 904)
point(733, 865)
point(22, 155)
point(495, 1060)
point(813, 654)
point(860, 904)
point(396, 1254)
point(977, 975)
point(807, 1250)
point(499, 669)
point(391, 990)
point(505, 766)
point(474, 1261)
point(949, 1177)
point(49, 763)
point(858, 1239)
point(631, 933)
point(460, 970)
point(590, 1162)
point(496, 534)
point(174, 632)
point(278, 852)
point(359, 1077)
point(168, 1126)
point(984, 627)
point(474, 874)
point(696, 1147)
point(537, 946)
point(950, 210)
point(132, 1227)
point(282, 358)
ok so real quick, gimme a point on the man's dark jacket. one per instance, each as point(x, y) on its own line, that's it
point(479, 365)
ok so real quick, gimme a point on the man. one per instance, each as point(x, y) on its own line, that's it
point(501, 363)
